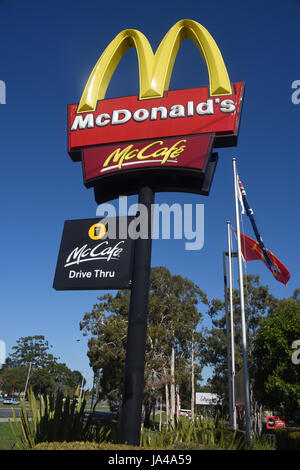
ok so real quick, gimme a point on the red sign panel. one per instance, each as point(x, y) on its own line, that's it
point(274, 422)
point(180, 112)
point(190, 152)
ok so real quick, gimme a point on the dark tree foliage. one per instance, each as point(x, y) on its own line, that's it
point(172, 319)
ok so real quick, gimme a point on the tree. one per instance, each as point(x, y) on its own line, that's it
point(65, 379)
point(277, 376)
point(9, 364)
point(174, 307)
point(78, 377)
point(32, 349)
point(296, 294)
point(42, 382)
point(173, 317)
point(107, 325)
point(258, 301)
point(13, 378)
point(47, 375)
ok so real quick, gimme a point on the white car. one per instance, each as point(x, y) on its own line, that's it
point(187, 413)
point(10, 401)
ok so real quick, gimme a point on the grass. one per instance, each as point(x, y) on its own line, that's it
point(7, 439)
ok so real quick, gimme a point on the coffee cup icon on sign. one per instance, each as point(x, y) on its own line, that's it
point(97, 231)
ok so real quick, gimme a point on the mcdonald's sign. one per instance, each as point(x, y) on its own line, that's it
point(165, 137)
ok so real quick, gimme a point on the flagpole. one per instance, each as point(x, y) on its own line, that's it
point(231, 327)
point(242, 302)
point(229, 366)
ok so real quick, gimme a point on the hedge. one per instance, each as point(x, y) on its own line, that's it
point(76, 445)
point(115, 447)
point(287, 439)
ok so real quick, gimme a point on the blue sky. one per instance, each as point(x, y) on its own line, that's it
point(47, 51)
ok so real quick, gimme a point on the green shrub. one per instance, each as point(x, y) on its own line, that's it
point(200, 432)
point(116, 447)
point(234, 439)
point(294, 440)
point(287, 439)
point(56, 419)
point(82, 446)
point(192, 446)
point(263, 442)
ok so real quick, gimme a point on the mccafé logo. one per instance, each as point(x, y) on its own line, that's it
point(169, 153)
point(130, 132)
point(153, 150)
point(102, 251)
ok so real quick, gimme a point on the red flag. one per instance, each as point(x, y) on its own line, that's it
point(252, 251)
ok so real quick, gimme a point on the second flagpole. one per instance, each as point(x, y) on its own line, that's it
point(231, 326)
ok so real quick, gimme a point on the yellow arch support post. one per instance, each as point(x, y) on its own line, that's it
point(155, 70)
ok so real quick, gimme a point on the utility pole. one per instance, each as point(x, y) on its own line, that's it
point(193, 381)
point(81, 388)
point(28, 375)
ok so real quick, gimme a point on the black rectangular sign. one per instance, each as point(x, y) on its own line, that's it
point(93, 257)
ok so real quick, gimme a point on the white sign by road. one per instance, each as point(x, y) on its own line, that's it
point(207, 398)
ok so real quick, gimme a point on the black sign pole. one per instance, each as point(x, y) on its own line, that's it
point(131, 413)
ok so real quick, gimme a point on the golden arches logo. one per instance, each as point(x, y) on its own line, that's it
point(155, 70)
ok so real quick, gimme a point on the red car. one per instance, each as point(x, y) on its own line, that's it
point(274, 422)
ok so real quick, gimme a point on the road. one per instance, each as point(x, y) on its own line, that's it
point(105, 415)
point(6, 414)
